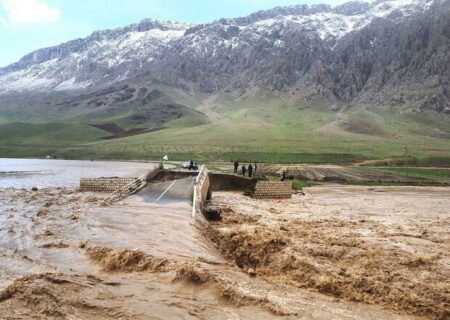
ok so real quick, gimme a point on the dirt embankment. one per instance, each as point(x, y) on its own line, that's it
point(403, 265)
point(164, 176)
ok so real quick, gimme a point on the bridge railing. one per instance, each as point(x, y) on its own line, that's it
point(131, 188)
point(126, 190)
point(201, 187)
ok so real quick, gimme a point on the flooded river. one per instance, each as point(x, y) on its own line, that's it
point(46, 173)
point(65, 256)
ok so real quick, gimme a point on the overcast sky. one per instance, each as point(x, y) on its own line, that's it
point(27, 25)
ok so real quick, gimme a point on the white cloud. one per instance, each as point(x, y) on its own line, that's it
point(30, 11)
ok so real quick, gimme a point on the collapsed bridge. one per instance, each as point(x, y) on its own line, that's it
point(199, 185)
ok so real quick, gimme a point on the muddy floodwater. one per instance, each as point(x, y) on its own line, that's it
point(336, 253)
point(28, 173)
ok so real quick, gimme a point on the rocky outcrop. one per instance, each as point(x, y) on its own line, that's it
point(393, 53)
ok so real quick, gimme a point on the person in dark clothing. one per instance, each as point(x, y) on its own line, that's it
point(191, 165)
point(244, 170)
point(236, 167)
point(284, 176)
point(256, 167)
point(250, 170)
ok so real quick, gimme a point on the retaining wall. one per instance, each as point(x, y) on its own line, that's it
point(273, 190)
point(113, 184)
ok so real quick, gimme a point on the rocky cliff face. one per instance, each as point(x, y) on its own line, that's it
point(397, 63)
point(379, 53)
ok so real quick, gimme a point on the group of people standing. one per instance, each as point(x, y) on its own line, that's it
point(250, 169)
point(193, 165)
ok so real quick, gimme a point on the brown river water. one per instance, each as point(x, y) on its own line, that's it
point(64, 256)
point(28, 173)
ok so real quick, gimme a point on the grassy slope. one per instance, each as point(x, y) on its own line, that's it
point(267, 129)
point(417, 173)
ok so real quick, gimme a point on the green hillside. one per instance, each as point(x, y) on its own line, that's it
point(265, 129)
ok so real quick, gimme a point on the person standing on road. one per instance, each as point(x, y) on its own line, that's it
point(236, 167)
point(256, 167)
point(250, 170)
point(244, 170)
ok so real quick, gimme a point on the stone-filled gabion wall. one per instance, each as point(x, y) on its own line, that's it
point(104, 184)
point(273, 190)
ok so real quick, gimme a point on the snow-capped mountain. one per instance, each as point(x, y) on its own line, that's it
point(359, 51)
point(104, 57)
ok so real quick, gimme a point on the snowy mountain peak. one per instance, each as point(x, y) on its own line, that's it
point(109, 56)
point(332, 22)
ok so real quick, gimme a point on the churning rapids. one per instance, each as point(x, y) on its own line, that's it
point(65, 256)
